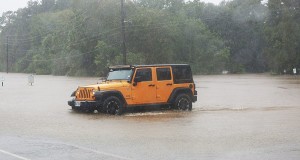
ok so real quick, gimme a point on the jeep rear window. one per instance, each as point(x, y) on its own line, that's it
point(120, 74)
point(182, 74)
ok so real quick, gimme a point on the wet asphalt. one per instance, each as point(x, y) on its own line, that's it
point(245, 117)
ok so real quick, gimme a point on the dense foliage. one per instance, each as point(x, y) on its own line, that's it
point(83, 38)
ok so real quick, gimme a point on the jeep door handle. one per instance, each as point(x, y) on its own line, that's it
point(151, 85)
point(169, 84)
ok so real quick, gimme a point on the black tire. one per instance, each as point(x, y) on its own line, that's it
point(113, 105)
point(101, 109)
point(183, 102)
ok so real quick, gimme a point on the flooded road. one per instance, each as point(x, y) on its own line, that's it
point(235, 117)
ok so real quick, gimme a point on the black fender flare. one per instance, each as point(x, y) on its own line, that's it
point(178, 91)
point(100, 96)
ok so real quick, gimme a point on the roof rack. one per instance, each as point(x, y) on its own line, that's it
point(160, 65)
point(120, 66)
point(150, 65)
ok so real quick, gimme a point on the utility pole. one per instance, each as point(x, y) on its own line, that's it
point(123, 32)
point(6, 54)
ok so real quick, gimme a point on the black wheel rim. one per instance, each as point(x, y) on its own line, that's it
point(113, 107)
point(183, 104)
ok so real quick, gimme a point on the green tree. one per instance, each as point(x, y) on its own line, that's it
point(283, 34)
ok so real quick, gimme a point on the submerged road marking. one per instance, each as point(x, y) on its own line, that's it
point(13, 155)
point(99, 152)
point(91, 150)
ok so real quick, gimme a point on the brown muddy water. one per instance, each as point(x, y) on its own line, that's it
point(236, 117)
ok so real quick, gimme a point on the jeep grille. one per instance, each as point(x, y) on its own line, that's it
point(85, 94)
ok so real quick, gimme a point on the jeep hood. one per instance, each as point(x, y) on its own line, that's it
point(108, 85)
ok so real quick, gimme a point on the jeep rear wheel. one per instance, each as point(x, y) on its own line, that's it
point(183, 102)
point(113, 105)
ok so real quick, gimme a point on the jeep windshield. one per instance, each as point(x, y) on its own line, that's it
point(119, 74)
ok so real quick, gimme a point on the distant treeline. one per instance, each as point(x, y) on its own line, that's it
point(83, 37)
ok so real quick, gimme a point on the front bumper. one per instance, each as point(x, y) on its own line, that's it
point(83, 105)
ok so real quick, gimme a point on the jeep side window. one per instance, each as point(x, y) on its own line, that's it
point(144, 74)
point(163, 74)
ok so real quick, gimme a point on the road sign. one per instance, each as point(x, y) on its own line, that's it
point(31, 79)
point(2, 79)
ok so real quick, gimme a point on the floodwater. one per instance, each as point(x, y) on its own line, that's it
point(236, 117)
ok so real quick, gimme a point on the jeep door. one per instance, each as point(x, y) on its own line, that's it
point(164, 84)
point(144, 91)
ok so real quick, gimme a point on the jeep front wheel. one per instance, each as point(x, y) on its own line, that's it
point(113, 105)
point(183, 102)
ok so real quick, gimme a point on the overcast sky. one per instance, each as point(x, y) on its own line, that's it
point(7, 5)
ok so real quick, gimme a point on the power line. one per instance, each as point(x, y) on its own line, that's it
point(46, 33)
point(110, 44)
point(141, 29)
point(123, 32)
point(58, 47)
point(7, 55)
point(54, 59)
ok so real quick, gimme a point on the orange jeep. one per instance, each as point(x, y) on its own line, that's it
point(138, 85)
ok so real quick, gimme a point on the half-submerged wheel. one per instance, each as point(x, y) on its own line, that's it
point(183, 102)
point(113, 105)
